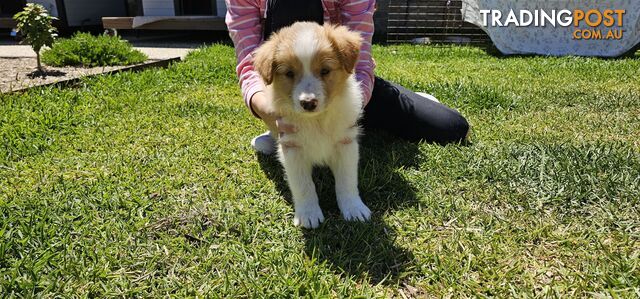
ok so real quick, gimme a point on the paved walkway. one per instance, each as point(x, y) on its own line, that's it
point(154, 52)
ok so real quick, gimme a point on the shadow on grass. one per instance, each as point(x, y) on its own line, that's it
point(366, 251)
point(45, 74)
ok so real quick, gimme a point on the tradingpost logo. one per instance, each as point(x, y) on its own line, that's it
point(590, 24)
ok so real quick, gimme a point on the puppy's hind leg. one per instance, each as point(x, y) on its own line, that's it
point(345, 170)
point(305, 199)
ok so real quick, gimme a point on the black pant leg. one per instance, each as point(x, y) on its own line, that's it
point(410, 116)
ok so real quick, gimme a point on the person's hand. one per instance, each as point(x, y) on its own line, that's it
point(261, 105)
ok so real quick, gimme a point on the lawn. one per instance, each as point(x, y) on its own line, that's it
point(144, 184)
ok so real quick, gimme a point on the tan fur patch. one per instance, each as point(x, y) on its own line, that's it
point(335, 60)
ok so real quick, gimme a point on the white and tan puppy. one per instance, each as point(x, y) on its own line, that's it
point(308, 70)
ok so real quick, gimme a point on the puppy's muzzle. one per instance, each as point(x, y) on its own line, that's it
point(309, 105)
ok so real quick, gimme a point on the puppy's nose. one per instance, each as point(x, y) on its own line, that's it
point(309, 105)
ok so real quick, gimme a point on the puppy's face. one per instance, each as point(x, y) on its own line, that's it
point(307, 64)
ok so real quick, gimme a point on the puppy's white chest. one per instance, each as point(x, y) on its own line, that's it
point(317, 144)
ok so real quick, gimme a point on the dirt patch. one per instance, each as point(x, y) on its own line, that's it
point(19, 73)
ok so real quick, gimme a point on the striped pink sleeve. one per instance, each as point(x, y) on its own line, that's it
point(358, 16)
point(245, 29)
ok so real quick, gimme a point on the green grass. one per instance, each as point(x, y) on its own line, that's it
point(84, 49)
point(145, 185)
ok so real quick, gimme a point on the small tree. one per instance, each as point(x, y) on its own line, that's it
point(34, 23)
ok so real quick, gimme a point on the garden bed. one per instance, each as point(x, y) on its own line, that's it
point(68, 59)
point(18, 73)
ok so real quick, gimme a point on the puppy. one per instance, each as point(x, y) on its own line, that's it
point(308, 70)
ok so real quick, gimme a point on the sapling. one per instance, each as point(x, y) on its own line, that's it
point(34, 23)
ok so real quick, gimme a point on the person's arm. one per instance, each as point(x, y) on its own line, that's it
point(358, 16)
point(245, 29)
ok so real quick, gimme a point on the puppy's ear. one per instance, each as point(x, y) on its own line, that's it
point(263, 60)
point(346, 43)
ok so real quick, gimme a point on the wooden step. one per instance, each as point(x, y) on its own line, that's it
point(170, 23)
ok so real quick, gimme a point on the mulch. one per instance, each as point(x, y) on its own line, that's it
point(20, 73)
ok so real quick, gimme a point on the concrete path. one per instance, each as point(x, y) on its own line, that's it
point(13, 51)
point(154, 53)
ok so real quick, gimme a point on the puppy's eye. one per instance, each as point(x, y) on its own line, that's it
point(289, 74)
point(325, 72)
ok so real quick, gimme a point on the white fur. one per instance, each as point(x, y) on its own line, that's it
point(309, 87)
point(321, 139)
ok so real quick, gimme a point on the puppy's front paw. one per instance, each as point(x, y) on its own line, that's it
point(308, 216)
point(354, 209)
